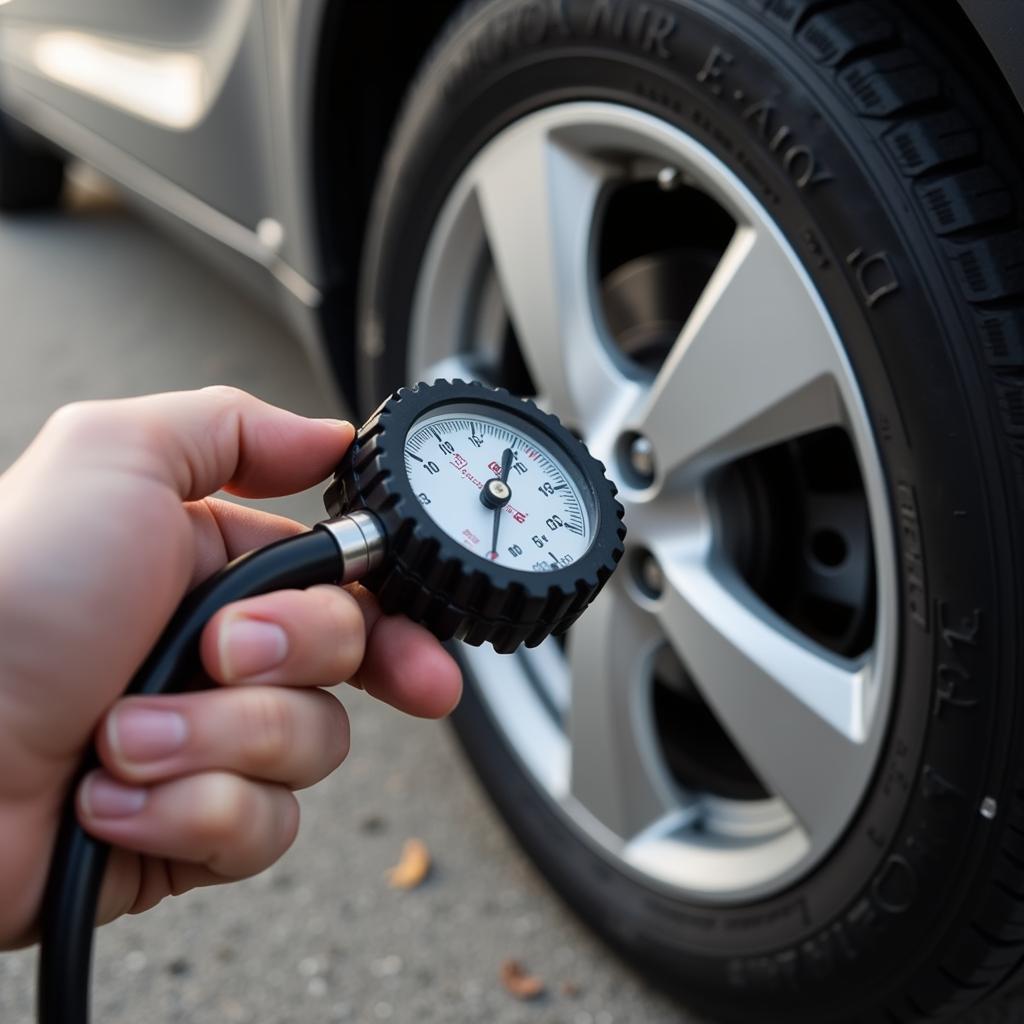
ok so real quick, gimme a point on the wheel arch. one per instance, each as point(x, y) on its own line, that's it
point(368, 53)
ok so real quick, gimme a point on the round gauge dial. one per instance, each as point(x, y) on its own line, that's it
point(493, 487)
point(495, 523)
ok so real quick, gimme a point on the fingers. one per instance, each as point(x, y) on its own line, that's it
point(224, 530)
point(233, 827)
point(134, 883)
point(327, 634)
point(288, 736)
point(305, 637)
point(201, 441)
point(405, 665)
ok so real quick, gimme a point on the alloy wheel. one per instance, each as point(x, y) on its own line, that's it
point(712, 723)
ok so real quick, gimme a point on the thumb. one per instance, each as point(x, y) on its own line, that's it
point(198, 442)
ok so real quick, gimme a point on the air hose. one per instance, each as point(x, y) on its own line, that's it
point(334, 552)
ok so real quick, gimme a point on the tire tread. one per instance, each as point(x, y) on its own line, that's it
point(958, 178)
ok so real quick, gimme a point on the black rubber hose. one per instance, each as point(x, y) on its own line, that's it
point(78, 862)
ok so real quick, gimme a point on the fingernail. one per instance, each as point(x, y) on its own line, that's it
point(249, 647)
point(146, 734)
point(102, 797)
point(330, 421)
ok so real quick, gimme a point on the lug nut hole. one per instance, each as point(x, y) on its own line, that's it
point(648, 577)
point(636, 459)
point(829, 548)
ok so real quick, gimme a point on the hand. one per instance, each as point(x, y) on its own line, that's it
point(104, 526)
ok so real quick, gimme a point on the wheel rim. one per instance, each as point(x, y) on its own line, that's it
point(517, 248)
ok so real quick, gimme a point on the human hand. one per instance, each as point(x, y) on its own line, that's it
point(105, 524)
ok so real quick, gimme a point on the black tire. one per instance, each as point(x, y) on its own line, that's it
point(887, 155)
point(31, 175)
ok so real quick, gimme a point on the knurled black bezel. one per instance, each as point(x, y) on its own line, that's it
point(435, 580)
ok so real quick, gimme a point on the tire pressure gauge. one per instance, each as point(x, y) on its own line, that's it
point(458, 505)
point(496, 523)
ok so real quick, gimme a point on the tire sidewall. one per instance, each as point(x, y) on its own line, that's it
point(725, 76)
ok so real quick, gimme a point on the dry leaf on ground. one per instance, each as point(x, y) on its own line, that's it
point(519, 982)
point(413, 866)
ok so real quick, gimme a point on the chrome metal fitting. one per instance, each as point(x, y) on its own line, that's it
point(361, 543)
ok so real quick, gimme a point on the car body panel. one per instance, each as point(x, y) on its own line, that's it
point(185, 98)
point(228, 160)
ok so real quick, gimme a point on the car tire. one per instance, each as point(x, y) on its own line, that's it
point(886, 157)
point(31, 176)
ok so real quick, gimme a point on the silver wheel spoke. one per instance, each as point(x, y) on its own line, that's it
point(796, 712)
point(616, 770)
point(754, 364)
point(537, 199)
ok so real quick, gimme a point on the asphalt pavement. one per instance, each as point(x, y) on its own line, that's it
point(94, 302)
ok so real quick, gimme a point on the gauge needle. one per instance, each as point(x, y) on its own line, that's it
point(506, 467)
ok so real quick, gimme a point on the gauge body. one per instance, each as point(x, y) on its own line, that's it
point(500, 526)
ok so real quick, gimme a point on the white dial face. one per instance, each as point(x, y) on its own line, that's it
point(539, 521)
